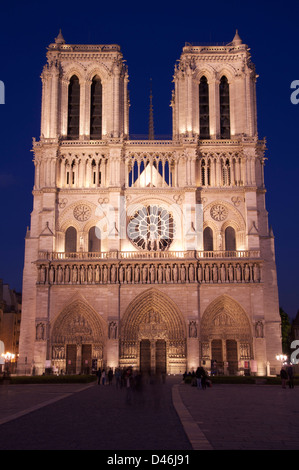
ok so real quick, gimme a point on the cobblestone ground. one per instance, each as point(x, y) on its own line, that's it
point(97, 418)
point(245, 417)
point(169, 417)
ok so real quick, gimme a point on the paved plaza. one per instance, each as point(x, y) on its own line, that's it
point(170, 417)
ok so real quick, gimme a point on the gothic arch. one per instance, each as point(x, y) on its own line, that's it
point(225, 318)
point(153, 301)
point(153, 321)
point(78, 323)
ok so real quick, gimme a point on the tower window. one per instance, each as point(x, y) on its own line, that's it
point(73, 108)
point(71, 240)
point(208, 239)
point(230, 239)
point(94, 242)
point(224, 109)
point(96, 109)
point(204, 118)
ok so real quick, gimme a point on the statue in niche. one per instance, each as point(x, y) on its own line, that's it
point(129, 274)
point(175, 273)
point(51, 275)
point(160, 274)
point(167, 273)
point(215, 273)
point(256, 273)
point(144, 273)
point(199, 273)
point(191, 273)
point(74, 274)
point(105, 274)
point(207, 273)
point(121, 274)
point(238, 273)
point(67, 273)
point(60, 275)
point(222, 273)
point(113, 274)
point(82, 274)
point(152, 273)
point(113, 330)
point(183, 273)
point(259, 329)
point(89, 274)
point(246, 273)
point(43, 274)
point(231, 273)
point(192, 329)
point(97, 273)
point(40, 332)
point(136, 276)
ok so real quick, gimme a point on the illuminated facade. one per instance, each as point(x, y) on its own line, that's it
point(154, 254)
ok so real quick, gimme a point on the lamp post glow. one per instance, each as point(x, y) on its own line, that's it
point(281, 357)
point(8, 357)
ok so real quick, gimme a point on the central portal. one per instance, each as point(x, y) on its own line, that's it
point(153, 335)
point(153, 356)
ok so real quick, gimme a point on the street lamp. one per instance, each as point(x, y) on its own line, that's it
point(282, 358)
point(8, 357)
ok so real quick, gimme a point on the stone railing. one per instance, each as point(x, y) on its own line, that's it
point(147, 255)
point(82, 271)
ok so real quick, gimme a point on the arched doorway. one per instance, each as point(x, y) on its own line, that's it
point(225, 336)
point(153, 335)
point(78, 339)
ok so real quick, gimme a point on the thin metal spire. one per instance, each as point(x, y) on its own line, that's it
point(151, 135)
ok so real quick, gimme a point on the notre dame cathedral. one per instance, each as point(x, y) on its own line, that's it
point(154, 254)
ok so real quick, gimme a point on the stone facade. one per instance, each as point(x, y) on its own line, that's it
point(154, 254)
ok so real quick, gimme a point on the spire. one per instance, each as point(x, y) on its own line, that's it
point(237, 40)
point(151, 116)
point(60, 38)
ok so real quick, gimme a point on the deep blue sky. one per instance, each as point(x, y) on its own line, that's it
point(151, 36)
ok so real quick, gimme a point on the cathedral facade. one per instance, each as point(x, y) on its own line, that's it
point(153, 254)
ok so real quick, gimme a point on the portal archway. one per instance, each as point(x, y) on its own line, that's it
point(153, 334)
point(78, 339)
point(226, 336)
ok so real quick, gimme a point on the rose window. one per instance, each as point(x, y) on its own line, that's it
point(151, 228)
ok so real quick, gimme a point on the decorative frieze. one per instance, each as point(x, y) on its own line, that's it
point(210, 272)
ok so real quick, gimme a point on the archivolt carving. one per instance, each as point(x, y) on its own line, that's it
point(153, 312)
point(225, 318)
point(78, 323)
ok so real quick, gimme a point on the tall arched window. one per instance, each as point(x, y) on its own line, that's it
point(208, 239)
point(204, 118)
point(224, 108)
point(230, 239)
point(94, 243)
point(71, 240)
point(73, 108)
point(96, 108)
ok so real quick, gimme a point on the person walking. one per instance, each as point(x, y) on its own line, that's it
point(284, 377)
point(291, 376)
point(198, 377)
point(103, 377)
point(99, 373)
point(110, 376)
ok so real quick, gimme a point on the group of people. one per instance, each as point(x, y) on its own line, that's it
point(287, 376)
point(105, 377)
point(199, 378)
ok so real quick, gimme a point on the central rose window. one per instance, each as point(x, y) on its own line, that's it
point(151, 228)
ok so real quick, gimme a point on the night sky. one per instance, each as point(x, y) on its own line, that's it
point(151, 36)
